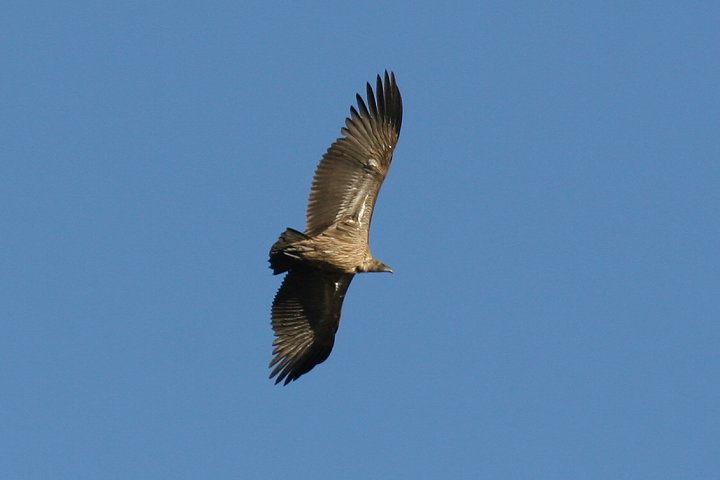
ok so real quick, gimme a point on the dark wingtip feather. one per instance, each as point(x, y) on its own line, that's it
point(384, 102)
point(393, 99)
point(389, 100)
point(371, 100)
point(361, 105)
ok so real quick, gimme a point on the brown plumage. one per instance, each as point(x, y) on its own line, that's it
point(321, 262)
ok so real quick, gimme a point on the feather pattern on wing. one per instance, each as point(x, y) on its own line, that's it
point(305, 317)
point(349, 176)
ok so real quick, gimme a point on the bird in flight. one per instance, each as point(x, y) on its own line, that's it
point(321, 262)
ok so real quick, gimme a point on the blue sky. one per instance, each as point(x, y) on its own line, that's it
point(552, 215)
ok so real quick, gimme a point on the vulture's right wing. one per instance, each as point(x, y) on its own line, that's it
point(350, 174)
point(305, 317)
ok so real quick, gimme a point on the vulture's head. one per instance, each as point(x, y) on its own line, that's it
point(373, 265)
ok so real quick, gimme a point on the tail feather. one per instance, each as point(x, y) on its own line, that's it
point(280, 259)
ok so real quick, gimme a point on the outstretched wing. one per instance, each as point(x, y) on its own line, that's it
point(350, 174)
point(305, 317)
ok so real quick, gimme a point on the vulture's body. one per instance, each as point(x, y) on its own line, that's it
point(321, 262)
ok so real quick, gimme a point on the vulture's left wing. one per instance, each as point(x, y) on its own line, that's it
point(305, 317)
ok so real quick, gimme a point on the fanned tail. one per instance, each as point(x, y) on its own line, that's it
point(280, 258)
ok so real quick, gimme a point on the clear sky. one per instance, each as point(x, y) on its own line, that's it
point(552, 215)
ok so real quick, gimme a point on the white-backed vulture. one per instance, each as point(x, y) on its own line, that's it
point(321, 262)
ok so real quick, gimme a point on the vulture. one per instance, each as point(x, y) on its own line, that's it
point(322, 261)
